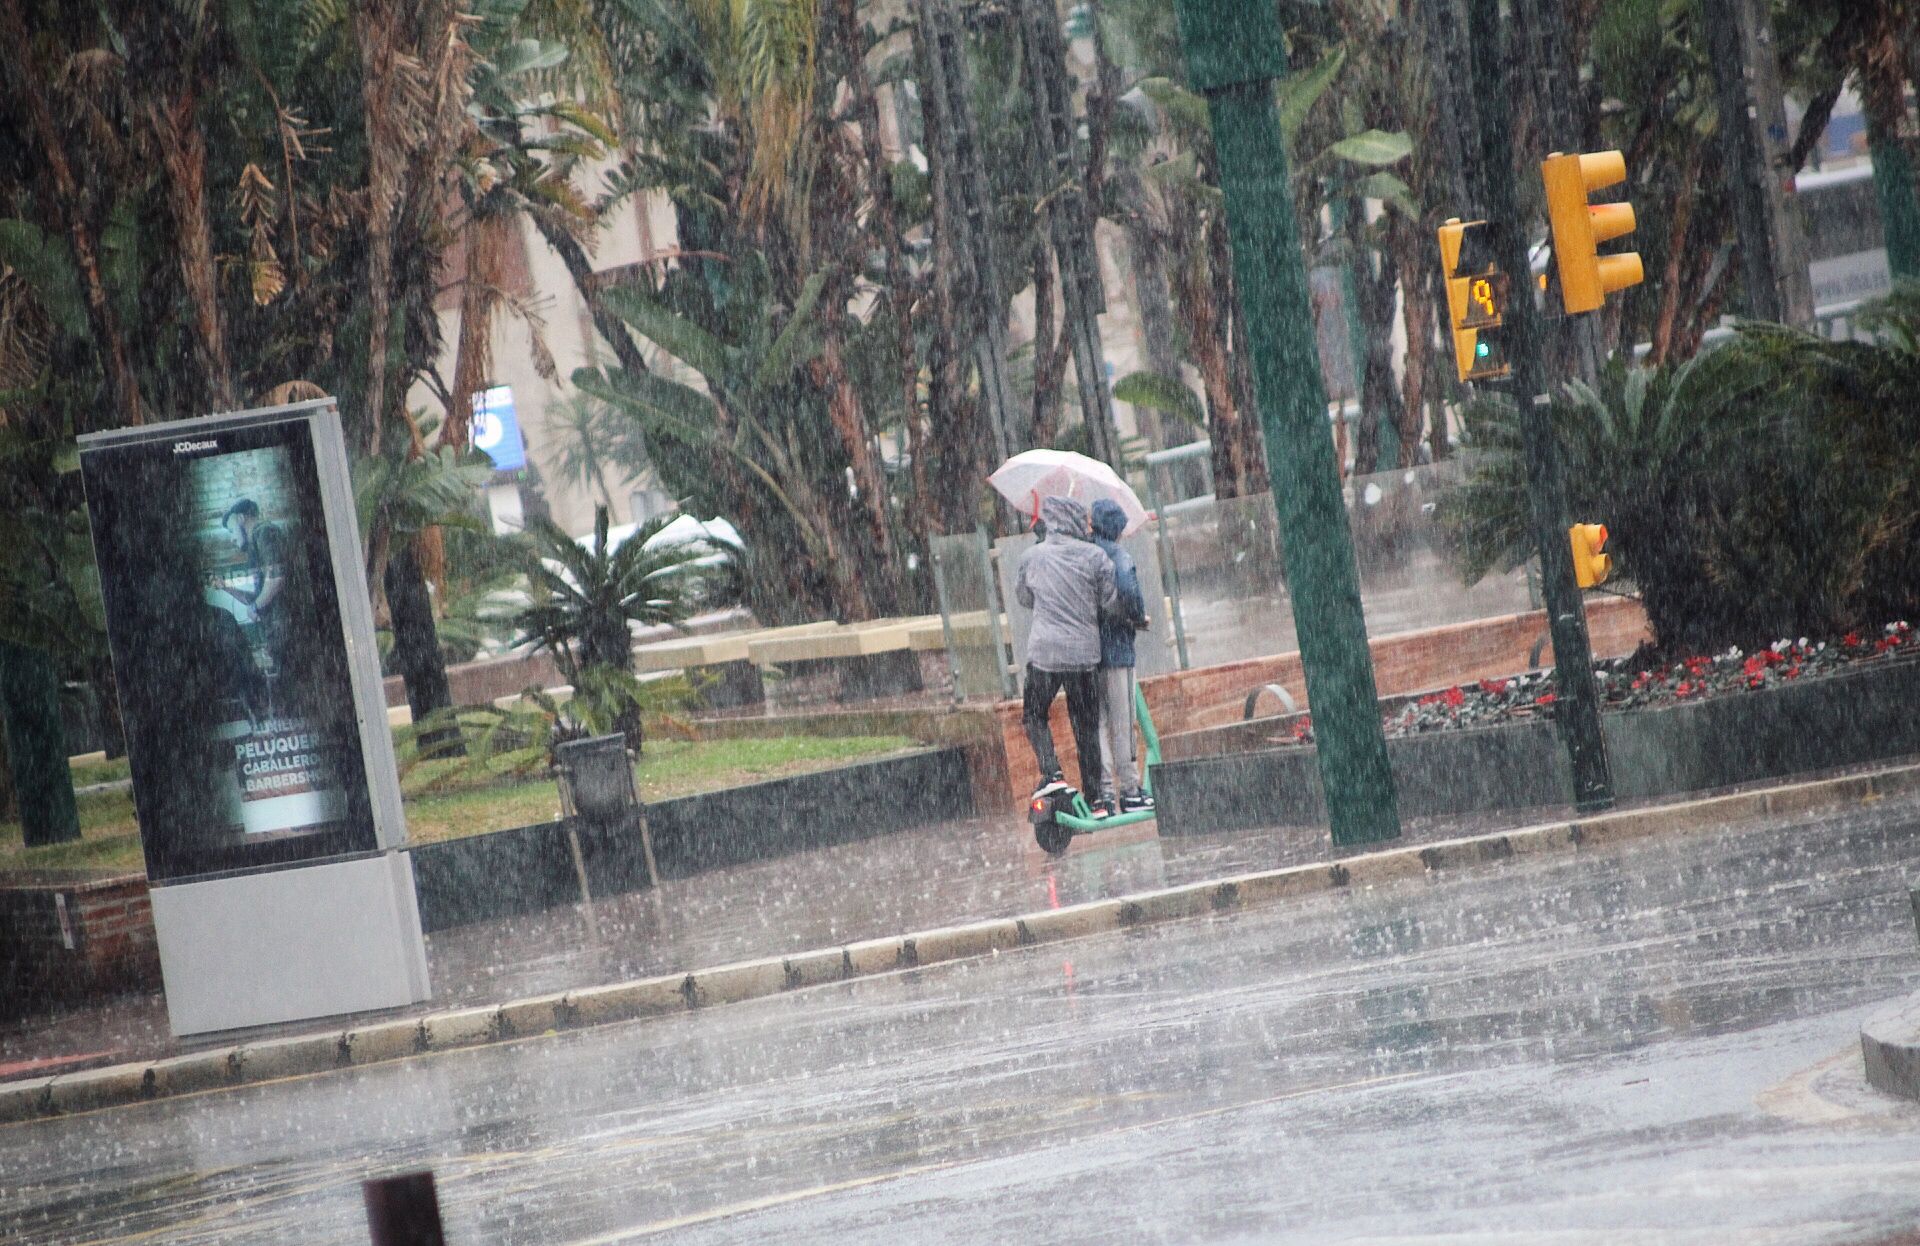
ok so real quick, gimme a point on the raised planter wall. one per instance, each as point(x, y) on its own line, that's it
point(65, 940)
point(105, 942)
point(528, 869)
point(1859, 717)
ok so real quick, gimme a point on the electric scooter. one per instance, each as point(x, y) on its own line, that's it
point(1058, 816)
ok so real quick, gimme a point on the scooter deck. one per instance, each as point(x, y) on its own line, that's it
point(1082, 825)
point(1081, 820)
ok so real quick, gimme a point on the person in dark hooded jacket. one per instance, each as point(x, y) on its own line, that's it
point(1067, 582)
point(1119, 767)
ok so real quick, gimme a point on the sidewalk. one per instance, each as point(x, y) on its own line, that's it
point(830, 898)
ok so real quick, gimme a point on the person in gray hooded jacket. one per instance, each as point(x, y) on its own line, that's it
point(1067, 581)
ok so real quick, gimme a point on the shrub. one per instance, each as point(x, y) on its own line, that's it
point(1766, 488)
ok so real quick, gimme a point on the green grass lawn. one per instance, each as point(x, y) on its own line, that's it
point(86, 773)
point(443, 803)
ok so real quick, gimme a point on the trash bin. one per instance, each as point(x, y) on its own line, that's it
point(597, 789)
point(596, 778)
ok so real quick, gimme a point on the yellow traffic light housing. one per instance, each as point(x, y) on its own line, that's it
point(1476, 300)
point(1579, 227)
point(1591, 565)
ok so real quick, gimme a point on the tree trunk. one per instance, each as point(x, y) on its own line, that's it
point(1250, 434)
point(376, 29)
point(856, 438)
point(1153, 313)
point(1892, 139)
point(36, 746)
point(866, 113)
point(1441, 365)
point(1049, 350)
point(1379, 392)
point(1671, 291)
point(1416, 318)
point(183, 152)
point(416, 647)
point(961, 435)
point(16, 54)
point(587, 282)
point(1198, 302)
point(480, 297)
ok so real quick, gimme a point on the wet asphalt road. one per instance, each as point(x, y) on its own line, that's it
point(1656, 1043)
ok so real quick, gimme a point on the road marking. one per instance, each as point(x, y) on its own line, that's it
point(771, 1201)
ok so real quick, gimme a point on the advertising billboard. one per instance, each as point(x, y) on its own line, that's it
point(224, 602)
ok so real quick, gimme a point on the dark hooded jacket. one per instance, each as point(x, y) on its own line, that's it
point(1130, 615)
point(1067, 582)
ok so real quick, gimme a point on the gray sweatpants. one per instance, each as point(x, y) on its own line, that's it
point(1118, 769)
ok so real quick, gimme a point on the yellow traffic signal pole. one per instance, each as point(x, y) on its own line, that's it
point(1577, 710)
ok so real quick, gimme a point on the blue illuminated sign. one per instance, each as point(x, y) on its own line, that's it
point(496, 429)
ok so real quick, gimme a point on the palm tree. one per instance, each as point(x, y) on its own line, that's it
point(591, 441)
point(586, 598)
point(751, 429)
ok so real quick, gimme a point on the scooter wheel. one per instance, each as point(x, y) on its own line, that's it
point(1052, 837)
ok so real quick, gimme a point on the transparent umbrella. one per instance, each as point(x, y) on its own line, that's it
point(1034, 474)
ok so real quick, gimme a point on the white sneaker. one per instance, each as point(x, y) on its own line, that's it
point(1051, 785)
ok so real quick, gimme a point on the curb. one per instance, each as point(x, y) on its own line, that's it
point(1890, 1047)
point(1895, 1058)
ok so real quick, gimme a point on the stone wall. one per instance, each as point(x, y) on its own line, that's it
point(65, 940)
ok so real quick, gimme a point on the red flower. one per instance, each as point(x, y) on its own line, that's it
point(1454, 698)
point(1685, 689)
point(1545, 698)
point(1493, 687)
point(1851, 640)
point(1757, 666)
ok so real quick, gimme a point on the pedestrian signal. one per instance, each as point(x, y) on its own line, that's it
point(1476, 299)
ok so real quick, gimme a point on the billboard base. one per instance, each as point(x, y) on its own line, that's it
point(290, 944)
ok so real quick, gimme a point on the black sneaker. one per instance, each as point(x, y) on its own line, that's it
point(1051, 784)
point(1136, 802)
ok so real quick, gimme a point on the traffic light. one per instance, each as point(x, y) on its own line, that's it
point(1476, 299)
point(1590, 564)
point(1587, 277)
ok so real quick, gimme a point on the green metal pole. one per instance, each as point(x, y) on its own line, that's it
point(1234, 53)
point(1578, 711)
point(1894, 182)
point(36, 746)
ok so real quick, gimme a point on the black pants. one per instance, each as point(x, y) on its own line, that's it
point(1083, 711)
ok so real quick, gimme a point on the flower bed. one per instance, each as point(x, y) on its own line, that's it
point(1512, 757)
point(1624, 685)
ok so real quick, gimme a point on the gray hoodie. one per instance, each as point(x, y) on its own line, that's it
point(1066, 580)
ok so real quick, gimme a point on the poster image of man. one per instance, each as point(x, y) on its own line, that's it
point(265, 599)
point(257, 640)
